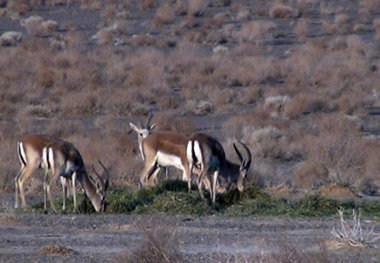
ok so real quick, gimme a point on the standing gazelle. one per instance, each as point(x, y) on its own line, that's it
point(63, 160)
point(206, 153)
point(161, 149)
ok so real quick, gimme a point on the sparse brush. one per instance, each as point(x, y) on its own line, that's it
point(164, 15)
point(354, 236)
point(196, 7)
point(281, 11)
point(159, 246)
point(57, 249)
point(376, 25)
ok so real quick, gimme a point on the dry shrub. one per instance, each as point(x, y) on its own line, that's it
point(19, 6)
point(196, 7)
point(301, 29)
point(279, 10)
point(80, 103)
point(370, 6)
point(164, 15)
point(334, 154)
point(104, 36)
point(159, 246)
point(376, 26)
point(304, 104)
point(142, 40)
point(256, 31)
point(147, 4)
point(268, 142)
point(56, 249)
point(289, 253)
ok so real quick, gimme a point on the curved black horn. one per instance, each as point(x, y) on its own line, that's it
point(149, 119)
point(238, 153)
point(249, 155)
point(107, 179)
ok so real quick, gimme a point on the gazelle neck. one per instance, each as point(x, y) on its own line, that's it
point(90, 190)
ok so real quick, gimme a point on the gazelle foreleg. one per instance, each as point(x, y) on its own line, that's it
point(148, 170)
point(49, 182)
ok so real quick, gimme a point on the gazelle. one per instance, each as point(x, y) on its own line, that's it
point(161, 149)
point(29, 151)
point(206, 153)
point(63, 160)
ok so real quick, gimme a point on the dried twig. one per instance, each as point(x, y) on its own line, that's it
point(353, 236)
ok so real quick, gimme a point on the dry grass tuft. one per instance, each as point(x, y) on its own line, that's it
point(334, 154)
point(256, 31)
point(196, 7)
point(279, 10)
point(19, 6)
point(354, 236)
point(164, 15)
point(376, 26)
point(159, 246)
point(56, 249)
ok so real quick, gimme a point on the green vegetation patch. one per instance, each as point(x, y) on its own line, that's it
point(172, 198)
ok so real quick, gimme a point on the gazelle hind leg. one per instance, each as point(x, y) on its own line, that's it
point(73, 184)
point(213, 186)
point(52, 179)
point(64, 192)
point(25, 175)
point(17, 187)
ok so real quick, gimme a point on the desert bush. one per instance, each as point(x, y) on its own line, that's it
point(159, 246)
point(335, 154)
point(256, 31)
point(376, 25)
point(301, 29)
point(370, 6)
point(279, 10)
point(164, 15)
point(304, 104)
point(196, 7)
point(146, 4)
point(19, 6)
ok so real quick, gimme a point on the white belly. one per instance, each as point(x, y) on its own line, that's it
point(166, 160)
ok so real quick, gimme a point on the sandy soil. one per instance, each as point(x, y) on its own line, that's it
point(100, 238)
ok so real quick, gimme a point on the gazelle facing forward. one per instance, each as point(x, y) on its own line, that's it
point(29, 152)
point(161, 149)
point(62, 159)
point(206, 153)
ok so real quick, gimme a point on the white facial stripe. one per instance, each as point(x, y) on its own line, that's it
point(165, 160)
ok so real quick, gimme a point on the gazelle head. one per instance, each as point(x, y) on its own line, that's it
point(101, 188)
point(143, 131)
point(244, 165)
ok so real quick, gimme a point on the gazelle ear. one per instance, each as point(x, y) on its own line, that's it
point(151, 127)
point(134, 127)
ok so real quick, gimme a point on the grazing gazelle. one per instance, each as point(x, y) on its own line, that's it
point(62, 159)
point(29, 151)
point(161, 149)
point(206, 153)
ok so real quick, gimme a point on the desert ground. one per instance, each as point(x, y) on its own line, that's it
point(296, 80)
